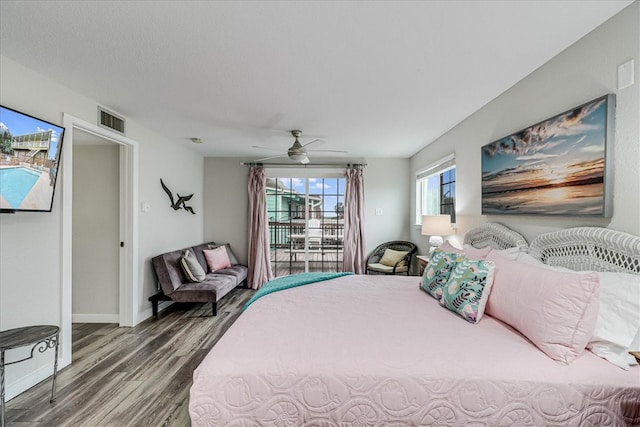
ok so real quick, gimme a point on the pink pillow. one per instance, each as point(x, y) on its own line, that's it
point(217, 258)
point(556, 310)
point(469, 252)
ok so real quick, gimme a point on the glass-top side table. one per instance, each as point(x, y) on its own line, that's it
point(41, 338)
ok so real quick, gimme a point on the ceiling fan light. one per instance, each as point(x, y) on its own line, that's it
point(298, 157)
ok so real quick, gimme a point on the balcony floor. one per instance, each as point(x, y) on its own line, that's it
point(292, 262)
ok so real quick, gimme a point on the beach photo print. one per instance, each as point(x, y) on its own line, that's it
point(555, 167)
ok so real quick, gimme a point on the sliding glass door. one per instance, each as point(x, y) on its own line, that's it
point(306, 224)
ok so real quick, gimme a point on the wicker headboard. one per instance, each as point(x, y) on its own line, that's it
point(495, 235)
point(589, 248)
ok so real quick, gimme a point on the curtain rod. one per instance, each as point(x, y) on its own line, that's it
point(310, 165)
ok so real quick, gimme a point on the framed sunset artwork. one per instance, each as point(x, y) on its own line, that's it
point(555, 167)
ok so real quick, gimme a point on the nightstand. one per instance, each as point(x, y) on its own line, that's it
point(423, 260)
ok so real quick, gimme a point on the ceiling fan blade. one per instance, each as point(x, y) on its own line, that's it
point(305, 161)
point(328, 151)
point(315, 141)
point(266, 148)
point(271, 157)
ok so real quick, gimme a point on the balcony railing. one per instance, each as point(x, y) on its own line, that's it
point(30, 145)
point(324, 250)
point(323, 233)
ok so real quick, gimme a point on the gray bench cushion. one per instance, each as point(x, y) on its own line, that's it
point(213, 288)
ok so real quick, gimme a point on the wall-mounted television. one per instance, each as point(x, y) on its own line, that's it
point(30, 151)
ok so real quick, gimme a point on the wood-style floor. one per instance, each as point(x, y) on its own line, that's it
point(130, 376)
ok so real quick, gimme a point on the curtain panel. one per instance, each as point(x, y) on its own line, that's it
point(354, 255)
point(259, 259)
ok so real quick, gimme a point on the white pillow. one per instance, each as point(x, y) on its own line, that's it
point(510, 253)
point(618, 324)
point(527, 258)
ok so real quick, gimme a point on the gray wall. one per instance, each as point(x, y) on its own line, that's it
point(96, 233)
point(582, 72)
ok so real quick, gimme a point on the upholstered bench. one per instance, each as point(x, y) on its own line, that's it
point(203, 273)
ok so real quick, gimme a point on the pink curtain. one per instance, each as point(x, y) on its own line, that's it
point(259, 254)
point(354, 256)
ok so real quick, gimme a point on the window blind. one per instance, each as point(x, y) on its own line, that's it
point(440, 166)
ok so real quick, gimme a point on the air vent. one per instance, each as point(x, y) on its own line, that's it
point(109, 120)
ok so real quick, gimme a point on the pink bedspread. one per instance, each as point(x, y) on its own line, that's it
point(378, 351)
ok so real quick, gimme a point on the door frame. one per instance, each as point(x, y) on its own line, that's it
point(128, 276)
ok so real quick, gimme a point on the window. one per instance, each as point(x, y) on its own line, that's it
point(306, 223)
point(436, 189)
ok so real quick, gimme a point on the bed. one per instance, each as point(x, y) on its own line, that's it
point(378, 351)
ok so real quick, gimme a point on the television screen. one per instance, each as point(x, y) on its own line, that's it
point(30, 150)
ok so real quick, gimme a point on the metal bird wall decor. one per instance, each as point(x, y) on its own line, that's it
point(181, 202)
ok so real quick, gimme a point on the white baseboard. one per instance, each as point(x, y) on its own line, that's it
point(95, 318)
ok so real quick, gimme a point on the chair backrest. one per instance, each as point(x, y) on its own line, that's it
point(313, 226)
point(396, 245)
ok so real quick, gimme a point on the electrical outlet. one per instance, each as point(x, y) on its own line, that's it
point(378, 211)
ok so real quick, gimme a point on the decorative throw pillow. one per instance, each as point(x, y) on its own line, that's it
point(191, 267)
point(390, 257)
point(437, 272)
point(467, 290)
point(232, 257)
point(448, 246)
point(618, 319)
point(556, 310)
point(217, 259)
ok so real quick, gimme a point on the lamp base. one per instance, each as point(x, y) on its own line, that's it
point(434, 242)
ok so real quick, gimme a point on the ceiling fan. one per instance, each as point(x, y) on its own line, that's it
point(298, 152)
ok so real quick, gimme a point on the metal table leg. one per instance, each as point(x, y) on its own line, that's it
point(55, 371)
point(2, 387)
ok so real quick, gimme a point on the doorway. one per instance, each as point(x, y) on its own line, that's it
point(306, 223)
point(128, 288)
point(96, 229)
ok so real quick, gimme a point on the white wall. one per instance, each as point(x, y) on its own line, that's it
point(226, 201)
point(386, 187)
point(582, 72)
point(96, 233)
point(30, 293)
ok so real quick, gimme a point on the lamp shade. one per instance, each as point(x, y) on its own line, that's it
point(436, 225)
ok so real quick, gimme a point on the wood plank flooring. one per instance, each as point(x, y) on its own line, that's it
point(130, 376)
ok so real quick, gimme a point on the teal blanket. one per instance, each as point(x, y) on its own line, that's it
point(286, 282)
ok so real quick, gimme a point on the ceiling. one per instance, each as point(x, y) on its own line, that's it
point(378, 79)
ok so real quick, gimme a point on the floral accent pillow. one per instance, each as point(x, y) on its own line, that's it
point(437, 272)
point(467, 290)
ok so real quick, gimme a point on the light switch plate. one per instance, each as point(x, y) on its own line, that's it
point(379, 211)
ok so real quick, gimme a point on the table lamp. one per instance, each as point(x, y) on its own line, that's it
point(436, 226)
